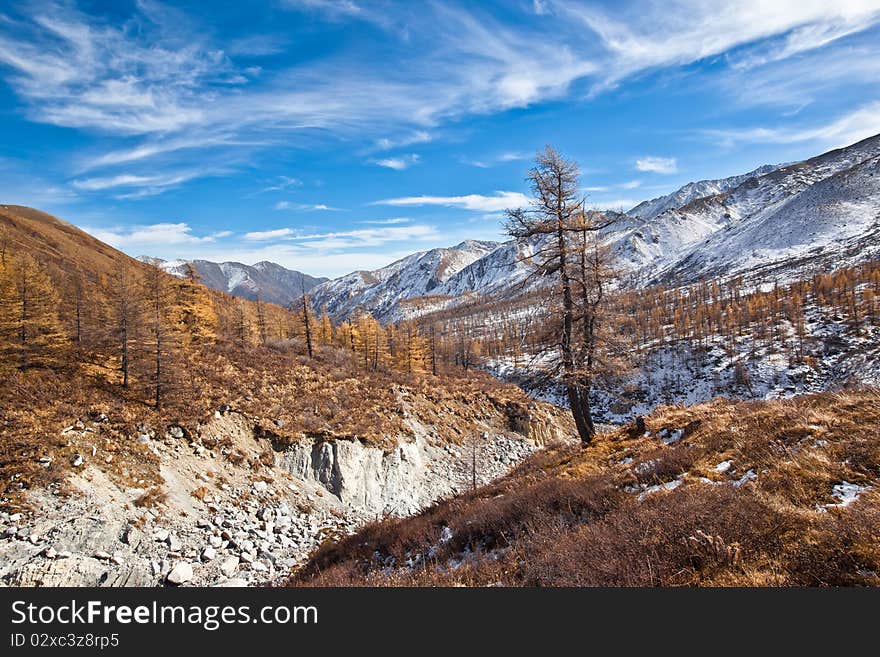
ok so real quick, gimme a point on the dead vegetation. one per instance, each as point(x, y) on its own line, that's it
point(583, 517)
point(113, 346)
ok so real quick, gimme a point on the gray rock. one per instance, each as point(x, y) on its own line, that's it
point(174, 543)
point(181, 573)
point(229, 565)
point(236, 583)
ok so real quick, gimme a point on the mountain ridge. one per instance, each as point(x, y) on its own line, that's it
point(677, 238)
point(264, 280)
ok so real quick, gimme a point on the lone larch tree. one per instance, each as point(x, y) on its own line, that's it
point(562, 241)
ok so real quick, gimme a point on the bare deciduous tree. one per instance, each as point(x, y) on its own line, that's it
point(561, 237)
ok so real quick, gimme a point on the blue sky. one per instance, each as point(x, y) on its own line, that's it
point(332, 136)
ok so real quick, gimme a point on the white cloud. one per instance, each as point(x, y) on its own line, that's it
point(264, 235)
point(367, 237)
point(348, 239)
point(283, 183)
point(477, 202)
point(141, 185)
point(640, 36)
point(153, 148)
point(305, 207)
point(135, 238)
point(845, 130)
point(417, 137)
point(386, 222)
point(332, 8)
point(169, 86)
point(398, 163)
point(630, 184)
point(510, 156)
point(664, 165)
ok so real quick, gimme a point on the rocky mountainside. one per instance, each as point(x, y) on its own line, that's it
point(379, 291)
point(692, 191)
point(265, 280)
point(778, 493)
point(823, 212)
point(255, 452)
point(777, 220)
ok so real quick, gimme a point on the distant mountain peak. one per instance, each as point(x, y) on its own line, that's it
point(693, 191)
point(265, 280)
point(781, 218)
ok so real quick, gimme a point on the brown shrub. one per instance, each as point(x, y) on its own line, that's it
point(151, 497)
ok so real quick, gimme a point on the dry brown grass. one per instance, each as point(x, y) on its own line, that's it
point(565, 517)
point(152, 497)
point(329, 397)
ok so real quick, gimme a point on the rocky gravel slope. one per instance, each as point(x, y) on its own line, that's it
point(215, 522)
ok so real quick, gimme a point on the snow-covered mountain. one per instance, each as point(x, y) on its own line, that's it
point(777, 220)
point(692, 191)
point(267, 281)
point(822, 212)
point(378, 292)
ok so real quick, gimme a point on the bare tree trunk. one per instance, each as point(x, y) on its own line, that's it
point(24, 299)
point(157, 335)
point(306, 319)
point(261, 321)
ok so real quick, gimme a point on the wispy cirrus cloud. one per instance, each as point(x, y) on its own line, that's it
point(501, 158)
point(162, 93)
point(264, 235)
point(282, 183)
point(398, 163)
point(305, 207)
point(386, 222)
point(640, 36)
point(128, 185)
point(476, 202)
point(153, 235)
point(416, 137)
point(348, 239)
point(844, 130)
point(654, 164)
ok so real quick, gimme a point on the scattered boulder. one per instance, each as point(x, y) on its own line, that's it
point(181, 573)
point(229, 565)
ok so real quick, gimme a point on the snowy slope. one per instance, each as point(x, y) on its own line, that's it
point(821, 212)
point(379, 291)
point(775, 219)
point(265, 280)
point(692, 191)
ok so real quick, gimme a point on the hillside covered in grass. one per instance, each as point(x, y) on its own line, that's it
point(725, 493)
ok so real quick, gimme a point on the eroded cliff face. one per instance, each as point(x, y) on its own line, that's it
point(368, 479)
point(418, 470)
point(240, 505)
